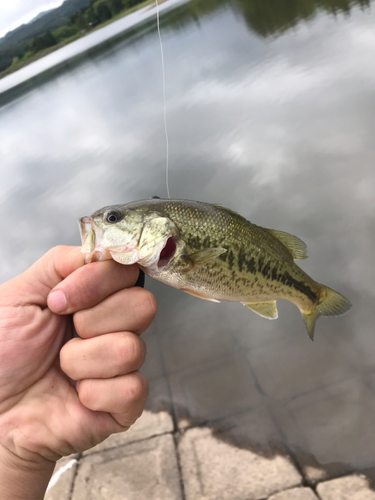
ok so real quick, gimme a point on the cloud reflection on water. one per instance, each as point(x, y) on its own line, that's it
point(280, 130)
point(294, 113)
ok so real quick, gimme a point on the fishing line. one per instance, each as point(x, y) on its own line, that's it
point(164, 99)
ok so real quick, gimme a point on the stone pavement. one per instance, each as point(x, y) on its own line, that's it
point(240, 408)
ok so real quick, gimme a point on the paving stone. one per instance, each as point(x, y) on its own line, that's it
point(139, 471)
point(289, 368)
point(150, 423)
point(295, 494)
point(214, 390)
point(331, 430)
point(238, 458)
point(354, 487)
point(61, 483)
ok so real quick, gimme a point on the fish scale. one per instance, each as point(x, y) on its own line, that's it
point(211, 252)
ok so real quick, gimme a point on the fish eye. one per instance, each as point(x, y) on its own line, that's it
point(112, 217)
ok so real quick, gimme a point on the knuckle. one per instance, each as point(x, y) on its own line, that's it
point(152, 305)
point(79, 320)
point(137, 389)
point(146, 304)
point(83, 394)
point(66, 360)
point(130, 349)
point(88, 396)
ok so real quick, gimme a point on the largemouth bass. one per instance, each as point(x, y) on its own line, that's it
point(212, 253)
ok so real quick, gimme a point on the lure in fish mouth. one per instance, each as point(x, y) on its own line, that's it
point(212, 253)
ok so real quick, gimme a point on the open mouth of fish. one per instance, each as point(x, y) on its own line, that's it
point(131, 253)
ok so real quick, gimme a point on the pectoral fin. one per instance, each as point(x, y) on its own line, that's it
point(265, 309)
point(203, 257)
point(199, 295)
point(295, 246)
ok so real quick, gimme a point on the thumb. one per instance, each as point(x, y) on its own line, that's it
point(34, 285)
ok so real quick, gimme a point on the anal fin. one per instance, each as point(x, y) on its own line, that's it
point(199, 295)
point(265, 309)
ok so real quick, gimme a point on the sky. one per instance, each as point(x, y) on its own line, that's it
point(16, 12)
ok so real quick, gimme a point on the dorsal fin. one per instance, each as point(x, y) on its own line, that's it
point(228, 210)
point(295, 246)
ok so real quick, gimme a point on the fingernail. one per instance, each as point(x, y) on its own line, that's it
point(57, 301)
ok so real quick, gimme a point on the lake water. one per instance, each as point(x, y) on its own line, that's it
point(271, 112)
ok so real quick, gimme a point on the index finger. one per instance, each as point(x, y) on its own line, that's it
point(34, 285)
point(91, 284)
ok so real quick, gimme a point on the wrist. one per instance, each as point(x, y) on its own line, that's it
point(23, 479)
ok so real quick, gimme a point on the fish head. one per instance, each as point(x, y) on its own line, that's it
point(128, 236)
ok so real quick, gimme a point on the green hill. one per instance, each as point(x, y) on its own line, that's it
point(13, 44)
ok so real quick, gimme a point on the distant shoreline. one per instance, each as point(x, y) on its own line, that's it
point(17, 66)
point(71, 54)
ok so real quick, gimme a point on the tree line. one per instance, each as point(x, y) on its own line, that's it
point(264, 17)
point(82, 21)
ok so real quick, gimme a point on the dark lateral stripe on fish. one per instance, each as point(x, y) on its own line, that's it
point(288, 280)
point(244, 263)
point(194, 242)
point(207, 242)
point(266, 269)
point(230, 259)
point(223, 256)
point(260, 264)
point(251, 266)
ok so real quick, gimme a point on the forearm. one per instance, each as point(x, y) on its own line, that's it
point(23, 480)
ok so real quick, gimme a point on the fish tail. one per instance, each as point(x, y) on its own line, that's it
point(329, 303)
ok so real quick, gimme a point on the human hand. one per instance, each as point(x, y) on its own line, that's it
point(43, 414)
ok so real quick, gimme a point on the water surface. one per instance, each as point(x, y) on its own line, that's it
point(271, 112)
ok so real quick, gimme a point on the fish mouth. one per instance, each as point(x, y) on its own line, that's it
point(96, 247)
point(91, 236)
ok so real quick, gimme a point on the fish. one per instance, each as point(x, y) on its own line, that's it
point(210, 252)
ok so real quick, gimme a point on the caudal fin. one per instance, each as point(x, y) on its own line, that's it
point(330, 303)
